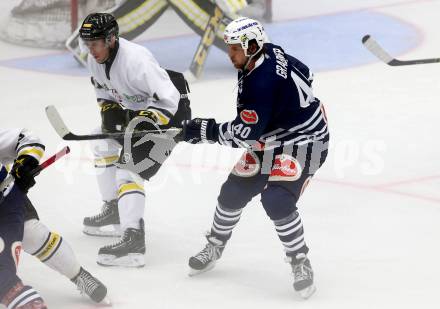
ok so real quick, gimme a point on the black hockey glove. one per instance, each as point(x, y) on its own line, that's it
point(199, 130)
point(21, 170)
point(113, 116)
point(148, 123)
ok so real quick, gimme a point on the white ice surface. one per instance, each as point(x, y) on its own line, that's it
point(371, 216)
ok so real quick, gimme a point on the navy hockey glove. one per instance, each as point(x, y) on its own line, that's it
point(200, 130)
point(21, 170)
point(113, 117)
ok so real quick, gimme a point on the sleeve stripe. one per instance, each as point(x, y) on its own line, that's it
point(241, 143)
point(34, 152)
point(222, 138)
point(20, 147)
point(230, 137)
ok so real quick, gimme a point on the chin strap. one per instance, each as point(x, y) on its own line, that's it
point(244, 69)
point(250, 58)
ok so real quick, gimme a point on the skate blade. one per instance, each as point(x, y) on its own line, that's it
point(130, 260)
point(106, 302)
point(103, 231)
point(307, 292)
point(194, 272)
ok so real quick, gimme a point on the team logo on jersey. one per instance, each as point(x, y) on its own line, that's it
point(285, 168)
point(16, 251)
point(249, 116)
point(247, 166)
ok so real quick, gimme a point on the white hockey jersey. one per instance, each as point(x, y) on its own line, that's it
point(14, 143)
point(136, 81)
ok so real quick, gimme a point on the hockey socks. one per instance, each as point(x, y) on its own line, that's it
point(50, 248)
point(224, 221)
point(23, 297)
point(291, 233)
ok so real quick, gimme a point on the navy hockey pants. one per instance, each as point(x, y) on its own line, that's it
point(279, 195)
point(11, 235)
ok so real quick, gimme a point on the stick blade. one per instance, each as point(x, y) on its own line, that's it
point(56, 121)
point(375, 49)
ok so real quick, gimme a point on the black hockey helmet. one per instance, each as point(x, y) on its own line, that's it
point(99, 26)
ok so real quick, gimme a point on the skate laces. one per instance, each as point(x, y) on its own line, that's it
point(86, 283)
point(300, 270)
point(129, 235)
point(212, 250)
point(207, 254)
point(123, 239)
point(105, 210)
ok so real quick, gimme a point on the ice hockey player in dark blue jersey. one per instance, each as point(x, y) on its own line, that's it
point(20, 227)
point(13, 293)
point(284, 129)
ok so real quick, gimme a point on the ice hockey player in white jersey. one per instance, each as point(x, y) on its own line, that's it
point(20, 226)
point(129, 85)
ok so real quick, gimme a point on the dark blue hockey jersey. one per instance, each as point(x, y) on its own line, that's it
point(275, 105)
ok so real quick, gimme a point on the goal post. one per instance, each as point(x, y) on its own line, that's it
point(73, 15)
point(47, 23)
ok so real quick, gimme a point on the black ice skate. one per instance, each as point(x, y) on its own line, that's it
point(89, 285)
point(106, 223)
point(206, 259)
point(129, 251)
point(303, 275)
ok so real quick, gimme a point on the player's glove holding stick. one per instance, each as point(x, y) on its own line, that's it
point(22, 172)
point(113, 116)
point(115, 119)
point(200, 130)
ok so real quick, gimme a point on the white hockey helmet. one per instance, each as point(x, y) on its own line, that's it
point(242, 30)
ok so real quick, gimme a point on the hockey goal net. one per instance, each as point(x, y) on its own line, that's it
point(48, 23)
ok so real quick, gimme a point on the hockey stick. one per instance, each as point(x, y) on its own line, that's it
point(380, 53)
point(39, 168)
point(199, 59)
point(63, 131)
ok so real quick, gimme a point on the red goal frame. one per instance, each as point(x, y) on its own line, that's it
point(73, 14)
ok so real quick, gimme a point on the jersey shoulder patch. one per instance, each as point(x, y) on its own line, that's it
point(249, 116)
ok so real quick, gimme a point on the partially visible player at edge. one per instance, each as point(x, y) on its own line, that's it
point(284, 129)
point(21, 227)
point(130, 86)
